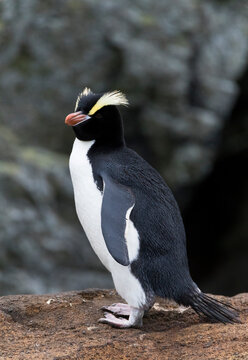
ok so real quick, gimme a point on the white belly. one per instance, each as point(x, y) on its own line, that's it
point(88, 201)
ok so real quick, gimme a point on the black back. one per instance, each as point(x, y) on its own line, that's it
point(162, 265)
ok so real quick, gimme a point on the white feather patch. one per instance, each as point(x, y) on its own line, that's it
point(111, 98)
point(86, 91)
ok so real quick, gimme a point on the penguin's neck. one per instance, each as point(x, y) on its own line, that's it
point(110, 142)
point(113, 137)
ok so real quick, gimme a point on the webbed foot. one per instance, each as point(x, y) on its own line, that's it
point(134, 320)
point(114, 321)
point(118, 309)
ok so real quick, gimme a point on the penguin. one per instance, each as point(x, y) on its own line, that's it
point(130, 217)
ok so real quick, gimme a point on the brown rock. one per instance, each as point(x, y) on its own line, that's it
point(64, 326)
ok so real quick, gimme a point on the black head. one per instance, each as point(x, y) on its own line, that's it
point(96, 117)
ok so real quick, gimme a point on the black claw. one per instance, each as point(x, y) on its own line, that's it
point(105, 308)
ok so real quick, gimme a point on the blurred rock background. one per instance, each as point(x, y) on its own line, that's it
point(184, 66)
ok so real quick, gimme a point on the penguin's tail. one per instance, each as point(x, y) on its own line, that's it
point(214, 309)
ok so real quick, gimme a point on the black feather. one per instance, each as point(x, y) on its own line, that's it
point(214, 309)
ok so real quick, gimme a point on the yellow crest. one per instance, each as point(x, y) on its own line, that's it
point(111, 98)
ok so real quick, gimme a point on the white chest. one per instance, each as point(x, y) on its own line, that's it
point(88, 201)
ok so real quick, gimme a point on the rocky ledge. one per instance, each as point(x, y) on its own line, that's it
point(64, 326)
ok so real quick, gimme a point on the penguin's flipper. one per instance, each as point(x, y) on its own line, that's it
point(118, 201)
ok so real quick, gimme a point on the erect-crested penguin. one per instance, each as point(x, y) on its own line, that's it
point(130, 217)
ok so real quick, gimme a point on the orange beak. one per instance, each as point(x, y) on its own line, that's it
point(76, 118)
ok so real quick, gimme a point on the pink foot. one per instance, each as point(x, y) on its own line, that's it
point(118, 309)
point(110, 319)
point(134, 320)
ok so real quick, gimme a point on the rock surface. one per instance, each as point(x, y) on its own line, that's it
point(64, 327)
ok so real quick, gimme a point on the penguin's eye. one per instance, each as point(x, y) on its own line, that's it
point(98, 116)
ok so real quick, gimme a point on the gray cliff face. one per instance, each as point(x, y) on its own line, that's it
point(43, 247)
point(178, 62)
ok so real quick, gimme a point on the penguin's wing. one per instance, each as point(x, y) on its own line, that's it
point(118, 201)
